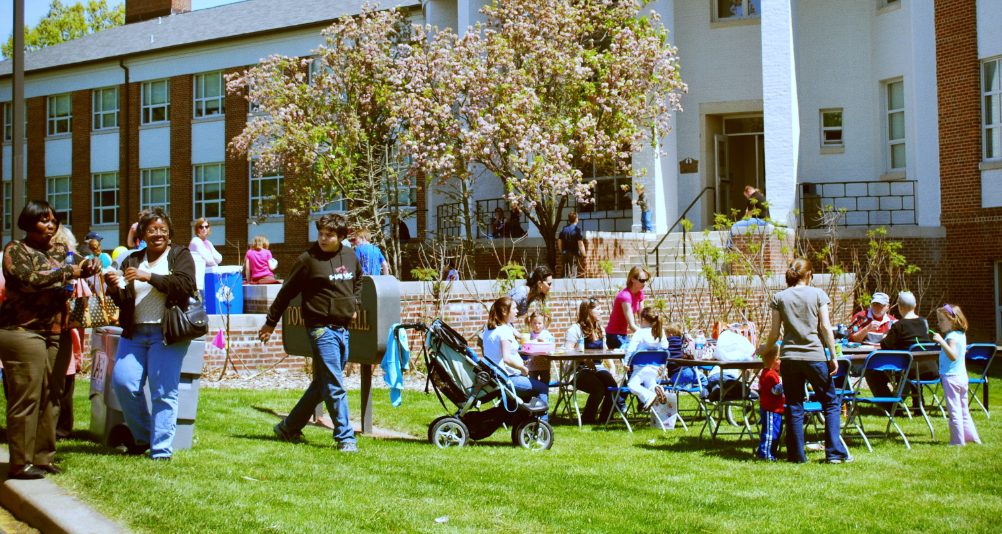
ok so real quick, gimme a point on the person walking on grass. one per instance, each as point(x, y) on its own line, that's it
point(329, 278)
point(771, 404)
point(953, 373)
point(801, 311)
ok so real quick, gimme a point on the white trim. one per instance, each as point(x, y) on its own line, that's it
point(145, 188)
point(995, 95)
point(890, 144)
point(54, 122)
point(99, 114)
point(201, 104)
point(56, 198)
point(96, 191)
point(154, 107)
point(259, 181)
point(840, 128)
point(196, 184)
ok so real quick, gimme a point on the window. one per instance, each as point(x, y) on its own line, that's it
point(105, 108)
point(104, 198)
point(156, 102)
point(612, 193)
point(992, 112)
point(209, 94)
point(400, 192)
point(57, 193)
point(8, 124)
point(154, 188)
point(59, 114)
point(210, 183)
point(8, 204)
point(896, 125)
point(265, 193)
point(735, 9)
point(831, 128)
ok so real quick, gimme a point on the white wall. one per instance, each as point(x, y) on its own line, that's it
point(154, 146)
point(208, 141)
point(989, 28)
point(104, 155)
point(59, 156)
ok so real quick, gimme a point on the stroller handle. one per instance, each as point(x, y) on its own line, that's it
point(412, 326)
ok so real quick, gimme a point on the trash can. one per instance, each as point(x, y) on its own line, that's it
point(106, 420)
point(224, 290)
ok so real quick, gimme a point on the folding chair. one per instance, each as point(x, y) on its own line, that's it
point(920, 385)
point(814, 411)
point(896, 363)
point(640, 359)
point(680, 382)
point(979, 359)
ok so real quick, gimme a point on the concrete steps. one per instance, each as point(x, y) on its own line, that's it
point(670, 254)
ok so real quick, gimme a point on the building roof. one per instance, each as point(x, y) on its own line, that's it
point(204, 25)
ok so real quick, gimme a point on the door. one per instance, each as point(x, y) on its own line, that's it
point(721, 158)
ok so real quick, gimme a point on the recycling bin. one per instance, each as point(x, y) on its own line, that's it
point(224, 290)
point(106, 421)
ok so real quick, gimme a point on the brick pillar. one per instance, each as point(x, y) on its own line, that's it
point(128, 178)
point(237, 177)
point(181, 190)
point(81, 184)
point(973, 234)
point(35, 158)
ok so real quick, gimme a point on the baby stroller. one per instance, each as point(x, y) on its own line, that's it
point(484, 398)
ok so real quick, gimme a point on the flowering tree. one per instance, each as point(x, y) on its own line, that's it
point(541, 90)
point(325, 121)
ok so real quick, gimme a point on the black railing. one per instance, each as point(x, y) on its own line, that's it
point(657, 248)
point(863, 204)
point(449, 219)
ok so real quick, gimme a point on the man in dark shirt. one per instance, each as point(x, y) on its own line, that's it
point(572, 245)
point(909, 331)
point(757, 207)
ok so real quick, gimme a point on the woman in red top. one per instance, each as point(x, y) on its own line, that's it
point(622, 319)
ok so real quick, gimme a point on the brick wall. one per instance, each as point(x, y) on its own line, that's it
point(973, 233)
point(80, 187)
point(34, 160)
point(181, 189)
point(237, 184)
point(129, 180)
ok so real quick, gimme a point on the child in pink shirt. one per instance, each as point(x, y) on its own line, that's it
point(259, 264)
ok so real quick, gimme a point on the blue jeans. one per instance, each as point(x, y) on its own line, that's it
point(527, 388)
point(615, 341)
point(645, 221)
point(772, 427)
point(795, 374)
point(330, 354)
point(142, 358)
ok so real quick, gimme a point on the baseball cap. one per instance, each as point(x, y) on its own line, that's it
point(94, 235)
point(881, 298)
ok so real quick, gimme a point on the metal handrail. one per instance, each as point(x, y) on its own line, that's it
point(657, 248)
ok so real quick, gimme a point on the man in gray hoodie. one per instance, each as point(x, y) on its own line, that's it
point(329, 278)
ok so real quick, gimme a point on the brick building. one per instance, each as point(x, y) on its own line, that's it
point(890, 109)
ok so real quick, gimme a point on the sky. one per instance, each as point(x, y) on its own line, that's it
point(35, 10)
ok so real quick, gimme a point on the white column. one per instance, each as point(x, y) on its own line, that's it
point(922, 116)
point(782, 118)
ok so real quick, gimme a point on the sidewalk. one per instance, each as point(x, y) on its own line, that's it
point(49, 508)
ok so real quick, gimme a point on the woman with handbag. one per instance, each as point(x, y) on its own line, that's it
point(32, 320)
point(155, 281)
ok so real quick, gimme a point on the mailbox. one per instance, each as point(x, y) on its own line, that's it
point(379, 309)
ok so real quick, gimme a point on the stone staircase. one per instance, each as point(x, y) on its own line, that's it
point(628, 249)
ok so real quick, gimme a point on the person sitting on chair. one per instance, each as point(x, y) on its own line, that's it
point(875, 320)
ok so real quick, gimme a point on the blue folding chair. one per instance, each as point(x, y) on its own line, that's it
point(896, 364)
point(689, 381)
point(920, 385)
point(979, 359)
point(640, 359)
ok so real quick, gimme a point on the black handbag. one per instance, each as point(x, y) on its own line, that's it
point(185, 324)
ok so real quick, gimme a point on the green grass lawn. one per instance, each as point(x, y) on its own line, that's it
point(239, 479)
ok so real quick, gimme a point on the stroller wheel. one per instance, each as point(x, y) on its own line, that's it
point(533, 434)
point(448, 431)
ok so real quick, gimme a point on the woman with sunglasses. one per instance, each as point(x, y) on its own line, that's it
point(203, 252)
point(535, 289)
point(622, 319)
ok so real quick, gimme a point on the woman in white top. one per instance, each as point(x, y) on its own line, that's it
point(650, 336)
point(593, 378)
point(203, 252)
point(153, 279)
point(501, 347)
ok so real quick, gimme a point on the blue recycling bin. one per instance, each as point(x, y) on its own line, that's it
point(222, 283)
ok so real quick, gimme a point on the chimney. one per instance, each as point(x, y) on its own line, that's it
point(140, 10)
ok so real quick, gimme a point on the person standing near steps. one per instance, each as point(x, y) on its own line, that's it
point(329, 278)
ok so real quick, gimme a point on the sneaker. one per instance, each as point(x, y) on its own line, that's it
point(847, 460)
point(659, 393)
point(284, 435)
point(347, 446)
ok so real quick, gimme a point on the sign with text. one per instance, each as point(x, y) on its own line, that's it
point(379, 309)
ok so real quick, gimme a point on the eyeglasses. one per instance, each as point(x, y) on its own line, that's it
point(642, 280)
point(203, 226)
point(157, 231)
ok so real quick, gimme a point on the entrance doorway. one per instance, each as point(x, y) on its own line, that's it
point(739, 160)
